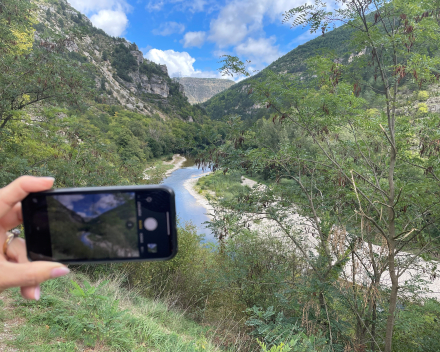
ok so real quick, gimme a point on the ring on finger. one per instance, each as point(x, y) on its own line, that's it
point(9, 237)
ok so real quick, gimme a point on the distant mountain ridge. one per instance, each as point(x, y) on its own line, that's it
point(199, 90)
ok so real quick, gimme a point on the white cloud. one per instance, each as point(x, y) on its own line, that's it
point(109, 15)
point(179, 64)
point(68, 200)
point(194, 39)
point(112, 22)
point(93, 6)
point(241, 18)
point(260, 51)
point(169, 28)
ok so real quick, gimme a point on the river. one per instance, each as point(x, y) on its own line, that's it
point(187, 207)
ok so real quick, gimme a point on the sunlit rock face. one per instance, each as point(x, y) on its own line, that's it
point(199, 90)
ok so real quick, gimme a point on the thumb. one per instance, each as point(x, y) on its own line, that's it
point(29, 274)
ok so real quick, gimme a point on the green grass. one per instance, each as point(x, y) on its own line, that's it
point(75, 315)
point(156, 169)
point(225, 186)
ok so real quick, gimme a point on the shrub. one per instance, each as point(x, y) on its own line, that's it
point(423, 95)
point(422, 108)
point(182, 279)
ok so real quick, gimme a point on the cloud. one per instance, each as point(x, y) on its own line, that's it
point(112, 22)
point(169, 28)
point(260, 52)
point(179, 64)
point(109, 15)
point(180, 5)
point(240, 19)
point(194, 39)
point(68, 200)
point(93, 6)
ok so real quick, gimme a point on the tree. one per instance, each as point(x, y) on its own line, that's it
point(32, 72)
point(365, 180)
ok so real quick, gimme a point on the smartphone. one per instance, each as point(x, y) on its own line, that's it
point(101, 224)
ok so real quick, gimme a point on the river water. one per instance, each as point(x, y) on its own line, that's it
point(187, 207)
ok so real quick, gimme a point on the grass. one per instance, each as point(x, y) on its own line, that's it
point(76, 315)
point(155, 169)
point(225, 186)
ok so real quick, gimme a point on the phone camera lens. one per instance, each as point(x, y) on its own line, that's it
point(149, 199)
point(35, 200)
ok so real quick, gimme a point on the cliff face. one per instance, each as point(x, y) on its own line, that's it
point(199, 90)
point(121, 73)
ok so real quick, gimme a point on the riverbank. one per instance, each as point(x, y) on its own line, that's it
point(178, 160)
point(190, 187)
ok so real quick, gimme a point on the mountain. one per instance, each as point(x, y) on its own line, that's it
point(122, 76)
point(236, 101)
point(199, 90)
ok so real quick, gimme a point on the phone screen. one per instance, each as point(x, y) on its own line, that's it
point(100, 226)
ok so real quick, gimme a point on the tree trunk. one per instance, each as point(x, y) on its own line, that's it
point(393, 300)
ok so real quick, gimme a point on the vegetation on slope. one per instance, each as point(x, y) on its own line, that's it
point(237, 101)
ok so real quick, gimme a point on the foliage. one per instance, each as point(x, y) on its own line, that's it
point(33, 73)
point(417, 327)
point(423, 95)
point(182, 279)
point(123, 62)
point(362, 178)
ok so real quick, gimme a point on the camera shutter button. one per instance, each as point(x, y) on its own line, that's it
point(150, 224)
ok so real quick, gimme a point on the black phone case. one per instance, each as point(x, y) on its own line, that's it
point(173, 230)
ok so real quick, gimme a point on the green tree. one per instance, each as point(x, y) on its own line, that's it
point(361, 179)
point(31, 72)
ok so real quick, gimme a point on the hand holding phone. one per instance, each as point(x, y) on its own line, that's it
point(101, 224)
point(15, 268)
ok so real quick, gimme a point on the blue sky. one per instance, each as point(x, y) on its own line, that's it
point(92, 205)
point(190, 36)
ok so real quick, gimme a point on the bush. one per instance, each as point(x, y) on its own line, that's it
point(422, 108)
point(423, 95)
point(124, 62)
point(182, 280)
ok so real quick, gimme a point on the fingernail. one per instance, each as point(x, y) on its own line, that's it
point(49, 178)
point(60, 271)
point(37, 293)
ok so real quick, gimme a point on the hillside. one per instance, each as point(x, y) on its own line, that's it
point(122, 76)
point(199, 90)
point(337, 43)
point(236, 100)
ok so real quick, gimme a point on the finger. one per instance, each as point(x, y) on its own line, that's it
point(29, 274)
point(16, 251)
point(19, 189)
point(31, 292)
point(12, 219)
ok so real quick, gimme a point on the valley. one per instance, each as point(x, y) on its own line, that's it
point(306, 191)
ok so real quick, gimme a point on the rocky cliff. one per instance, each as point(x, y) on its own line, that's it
point(121, 73)
point(199, 90)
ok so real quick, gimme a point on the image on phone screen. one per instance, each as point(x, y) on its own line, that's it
point(105, 225)
point(100, 225)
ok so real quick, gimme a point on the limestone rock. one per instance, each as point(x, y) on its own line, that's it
point(199, 90)
point(138, 56)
